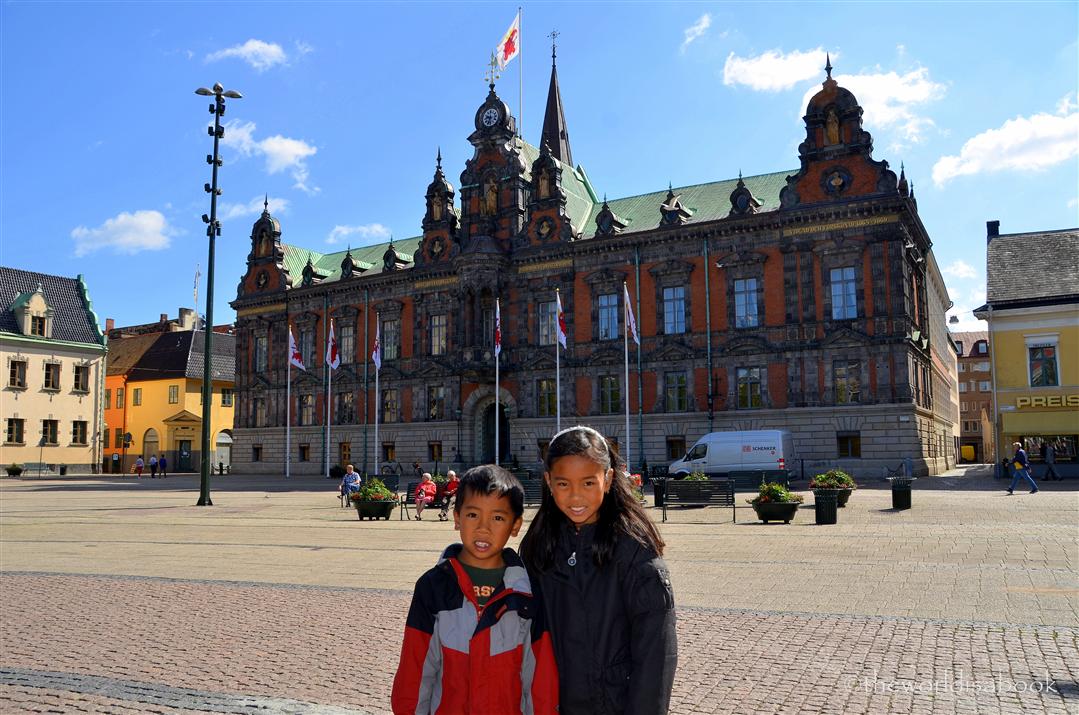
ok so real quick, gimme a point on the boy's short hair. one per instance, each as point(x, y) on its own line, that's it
point(491, 479)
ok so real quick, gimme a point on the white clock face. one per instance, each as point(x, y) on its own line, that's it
point(490, 117)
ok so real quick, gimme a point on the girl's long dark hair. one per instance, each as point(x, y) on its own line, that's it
point(620, 514)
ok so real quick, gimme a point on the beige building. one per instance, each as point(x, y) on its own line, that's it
point(53, 353)
point(975, 396)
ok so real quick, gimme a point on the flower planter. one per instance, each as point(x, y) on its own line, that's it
point(842, 496)
point(373, 509)
point(776, 511)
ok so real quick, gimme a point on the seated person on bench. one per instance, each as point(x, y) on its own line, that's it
point(350, 483)
point(425, 494)
point(452, 483)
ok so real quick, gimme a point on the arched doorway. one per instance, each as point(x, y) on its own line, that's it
point(150, 445)
point(223, 450)
point(487, 433)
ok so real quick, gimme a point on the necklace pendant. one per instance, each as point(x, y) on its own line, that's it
point(572, 560)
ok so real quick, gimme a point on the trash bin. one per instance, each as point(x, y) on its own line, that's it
point(659, 491)
point(901, 492)
point(826, 502)
point(63, 470)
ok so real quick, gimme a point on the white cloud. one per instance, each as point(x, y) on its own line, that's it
point(1030, 143)
point(260, 55)
point(889, 100)
point(774, 71)
point(281, 153)
point(1073, 203)
point(126, 233)
point(226, 211)
point(364, 232)
point(959, 269)
point(964, 310)
point(697, 29)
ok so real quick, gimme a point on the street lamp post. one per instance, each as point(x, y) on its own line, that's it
point(213, 229)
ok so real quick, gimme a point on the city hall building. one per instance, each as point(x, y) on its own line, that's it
point(805, 300)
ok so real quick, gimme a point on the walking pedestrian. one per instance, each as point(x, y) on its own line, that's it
point(139, 464)
point(1050, 464)
point(153, 466)
point(161, 464)
point(1021, 465)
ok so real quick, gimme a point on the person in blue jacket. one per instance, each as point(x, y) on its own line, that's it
point(1021, 465)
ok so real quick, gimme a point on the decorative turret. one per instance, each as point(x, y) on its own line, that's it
point(608, 223)
point(742, 200)
point(903, 190)
point(266, 262)
point(672, 211)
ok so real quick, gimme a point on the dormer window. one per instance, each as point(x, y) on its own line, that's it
point(37, 325)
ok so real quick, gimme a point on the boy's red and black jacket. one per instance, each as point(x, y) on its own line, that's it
point(458, 657)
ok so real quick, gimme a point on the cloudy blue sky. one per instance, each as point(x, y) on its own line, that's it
point(103, 141)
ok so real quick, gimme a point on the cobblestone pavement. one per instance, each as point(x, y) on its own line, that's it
point(122, 597)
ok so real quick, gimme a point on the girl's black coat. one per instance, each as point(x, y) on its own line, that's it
point(613, 627)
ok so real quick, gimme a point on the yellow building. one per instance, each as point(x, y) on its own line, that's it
point(53, 353)
point(154, 390)
point(1032, 308)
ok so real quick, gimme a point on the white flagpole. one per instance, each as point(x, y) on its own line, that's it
point(378, 401)
point(520, 73)
point(625, 338)
point(329, 402)
point(498, 397)
point(557, 370)
point(288, 406)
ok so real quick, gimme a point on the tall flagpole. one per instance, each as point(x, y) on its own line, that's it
point(329, 402)
point(498, 397)
point(557, 371)
point(625, 339)
point(520, 73)
point(288, 406)
point(378, 401)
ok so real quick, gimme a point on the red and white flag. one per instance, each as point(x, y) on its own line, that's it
point(498, 328)
point(333, 358)
point(510, 46)
point(631, 324)
point(294, 355)
point(561, 321)
point(376, 354)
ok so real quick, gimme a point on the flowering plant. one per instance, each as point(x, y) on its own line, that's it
point(697, 476)
point(833, 479)
point(774, 492)
point(373, 490)
point(635, 483)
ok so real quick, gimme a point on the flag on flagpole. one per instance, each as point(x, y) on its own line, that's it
point(510, 46)
point(333, 358)
point(198, 274)
point(561, 320)
point(294, 355)
point(631, 324)
point(376, 354)
point(498, 329)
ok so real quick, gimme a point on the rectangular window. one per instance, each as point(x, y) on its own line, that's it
point(676, 448)
point(985, 386)
point(50, 431)
point(982, 366)
point(844, 293)
point(436, 403)
point(305, 450)
point(174, 394)
point(389, 405)
point(675, 386)
point(119, 398)
point(488, 326)
point(963, 387)
point(105, 438)
point(226, 397)
point(607, 309)
point(547, 398)
point(15, 428)
point(438, 334)
point(959, 346)
point(963, 407)
point(256, 453)
point(307, 409)
point(674, 310)
point(118, 438)
point(610, 398)
point(258, 407)
point(434, 451)
point(391, 339)
point(108, 398)
point(849, 444)
point(262, 353)
point(82, 378)
point(52, 376)
point(962, 367)
point(307, 347)
point(745, 303)
point(346, 343)
point(749, 387)
point(17, 374)
point(389, 452)
point(846, 376)
point(547, 319)
point(78, 432)
point(37, 325)
point(1043, 366)
point(136, 397)
point(345, 408)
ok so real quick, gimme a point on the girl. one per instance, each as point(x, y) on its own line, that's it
point(595, 556)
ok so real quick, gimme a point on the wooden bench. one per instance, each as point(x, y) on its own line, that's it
point(407, 499)
point(716, 492)
point(533, 492)
point(753, 478)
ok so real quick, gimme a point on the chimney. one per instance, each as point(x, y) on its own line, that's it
point(187, 319)
point(992, 230)
point(164, 318)
point(109, 324)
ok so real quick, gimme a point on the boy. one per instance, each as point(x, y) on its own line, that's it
point(473, 616)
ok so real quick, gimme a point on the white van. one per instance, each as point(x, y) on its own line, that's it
point(723, 452)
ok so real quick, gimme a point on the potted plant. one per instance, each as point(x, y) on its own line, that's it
point(14, 470)
point(835, 479)
point(636, 484)
point(775, 502)
point(697, 476)
point(374, 500)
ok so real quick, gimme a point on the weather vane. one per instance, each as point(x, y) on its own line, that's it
point(554, 40)
point(492, 72)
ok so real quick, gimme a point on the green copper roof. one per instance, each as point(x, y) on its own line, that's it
point(329, 264)
point(580, 197)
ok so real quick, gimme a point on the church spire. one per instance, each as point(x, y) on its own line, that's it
point(554, 121)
